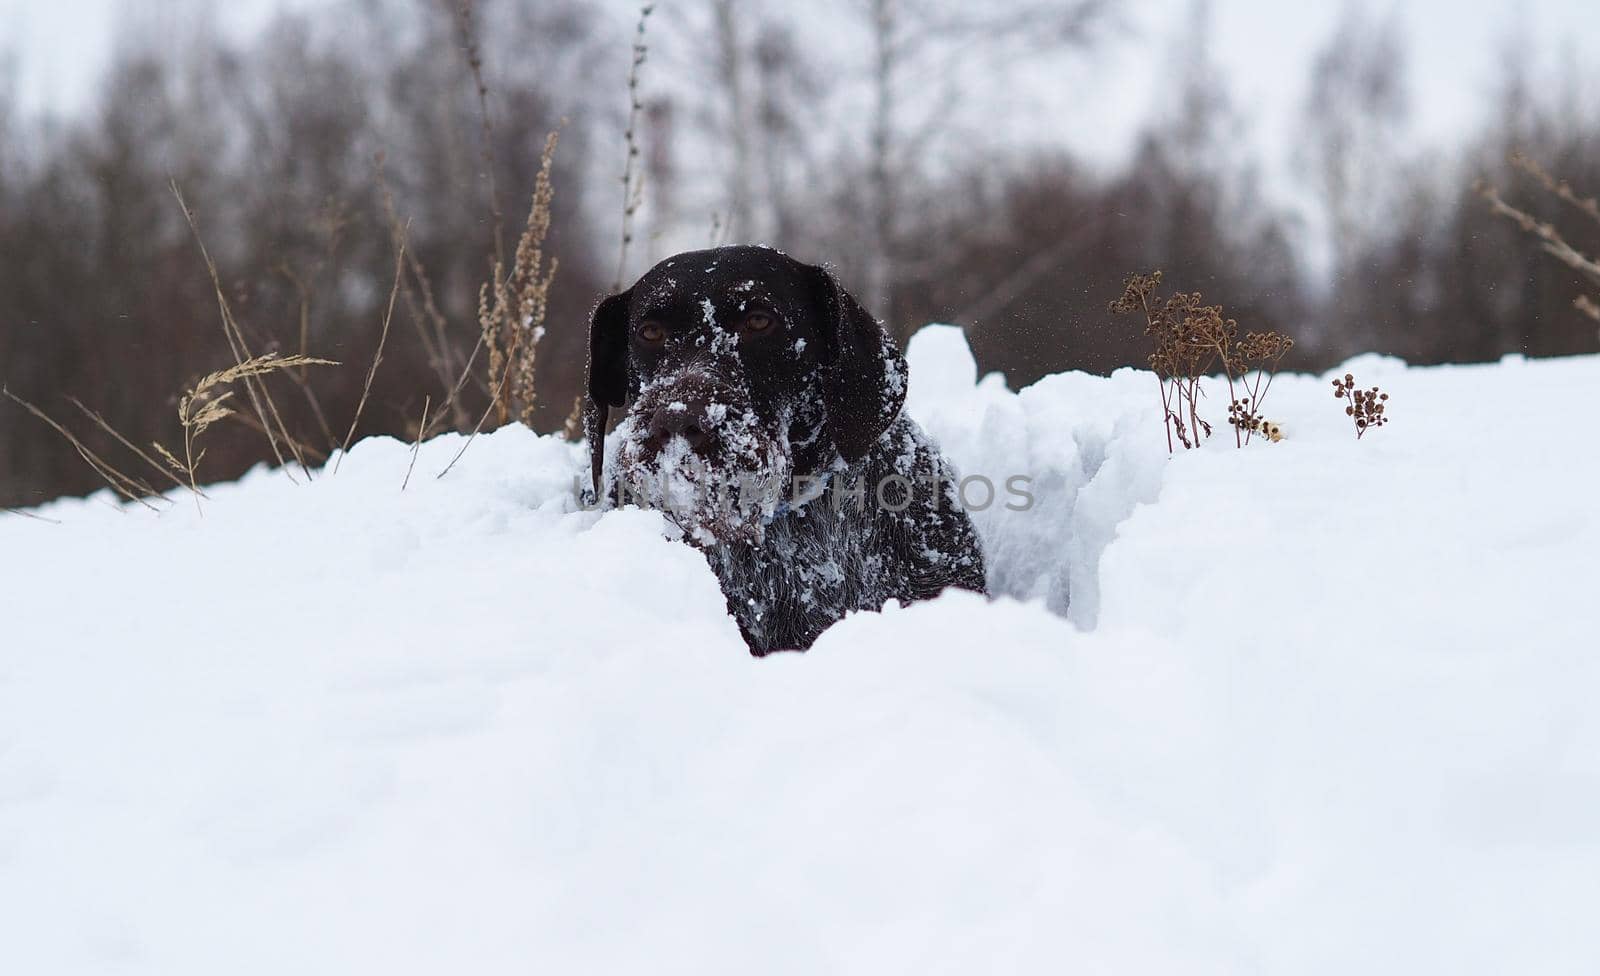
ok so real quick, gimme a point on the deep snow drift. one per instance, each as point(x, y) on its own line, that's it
point(1314, 707)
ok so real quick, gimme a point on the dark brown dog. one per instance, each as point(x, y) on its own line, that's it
point(764, 417)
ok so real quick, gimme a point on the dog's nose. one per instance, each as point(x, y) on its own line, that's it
point(683, 419)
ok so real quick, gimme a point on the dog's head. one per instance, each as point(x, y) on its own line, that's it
point(740, 367)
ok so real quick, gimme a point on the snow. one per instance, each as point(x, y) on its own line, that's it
point(1321, 706)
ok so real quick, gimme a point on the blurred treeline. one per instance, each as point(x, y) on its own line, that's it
point(307, 150)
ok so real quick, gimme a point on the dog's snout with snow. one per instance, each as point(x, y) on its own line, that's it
point(693, 408)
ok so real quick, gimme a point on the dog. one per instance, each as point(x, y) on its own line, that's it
point(763, 416)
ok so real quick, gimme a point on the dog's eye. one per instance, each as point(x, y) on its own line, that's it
point(650, 333)
point(757, 322)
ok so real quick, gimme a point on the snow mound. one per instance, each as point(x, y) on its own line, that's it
point(1311, 707)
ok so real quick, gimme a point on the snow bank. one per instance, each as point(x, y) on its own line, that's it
point(1313, 707)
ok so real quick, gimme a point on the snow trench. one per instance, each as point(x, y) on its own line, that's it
point(1086, 470)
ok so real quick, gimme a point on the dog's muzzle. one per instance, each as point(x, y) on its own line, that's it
point(693, 446)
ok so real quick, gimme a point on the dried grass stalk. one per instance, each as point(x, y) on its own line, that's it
point(432, 328)
point(377, 355)
point(28, 515)
point(123, 484)
point(210, 401)
point(416, 448)
point(105, 425)
point(260, 399)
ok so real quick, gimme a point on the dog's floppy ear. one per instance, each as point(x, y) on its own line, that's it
point(608, 350)
point(608, 375)
point(864, 375)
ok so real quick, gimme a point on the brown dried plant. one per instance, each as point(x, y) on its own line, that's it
point(1256, 362)
point(1549, 237)
point(129, 487)
point(1365, 408)
point(416, 448)
point(260, 397)
point(511, 312)
point(209, 401)
point(1189, 340)
point(28, 515)
point(511, 308)
point(377, 355)
point(452, 367)
point(572, 429)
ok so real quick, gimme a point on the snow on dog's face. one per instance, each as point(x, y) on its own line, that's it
point(741, 369)
point(695, 447)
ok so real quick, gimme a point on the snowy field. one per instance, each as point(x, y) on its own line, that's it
point(1311, 707)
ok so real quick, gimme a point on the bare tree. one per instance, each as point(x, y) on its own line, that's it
point(923, 39)
point(273, 141)
point(1355, 108)
point(731, 77)
point(759, 123)
point(660, 170)
point(789, 86)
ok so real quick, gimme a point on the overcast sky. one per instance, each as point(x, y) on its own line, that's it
point(1094, 104)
